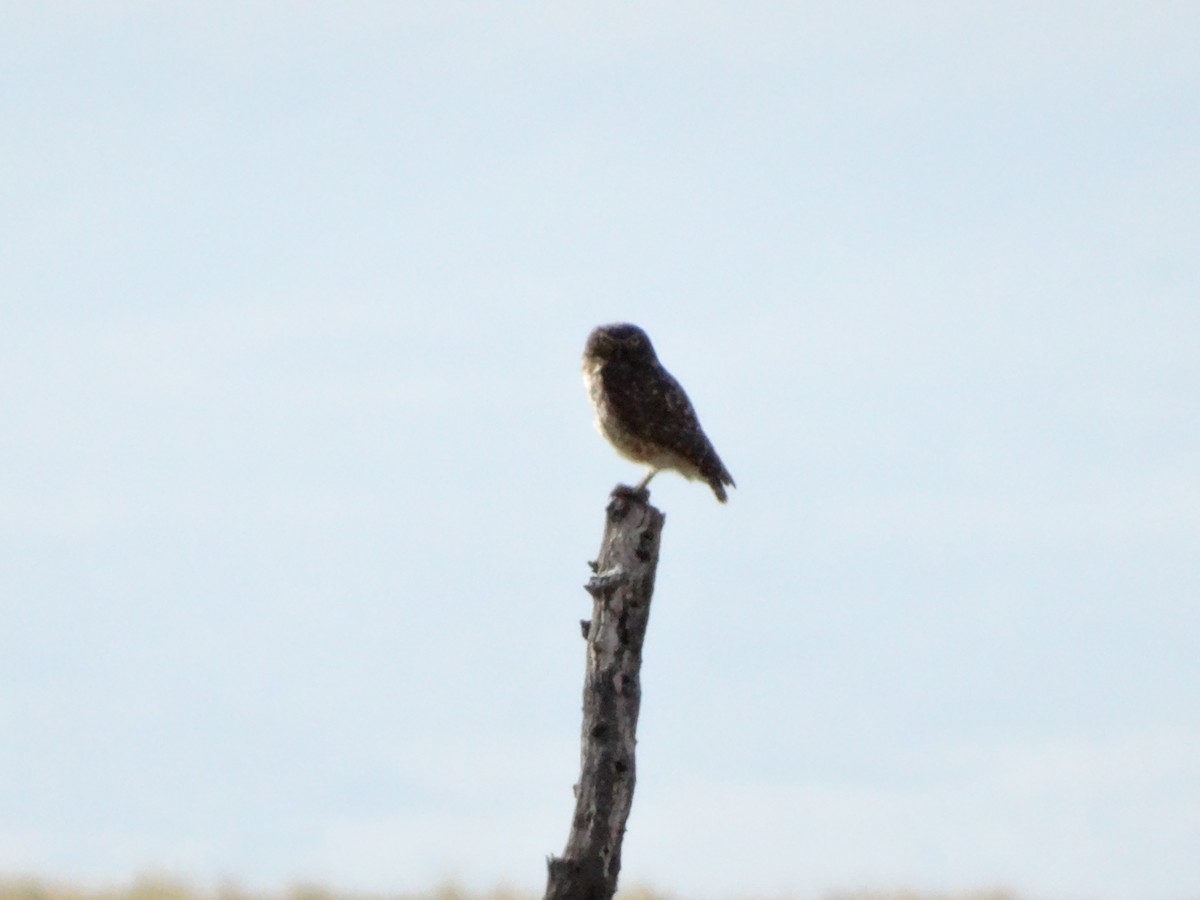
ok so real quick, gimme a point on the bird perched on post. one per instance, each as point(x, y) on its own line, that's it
point(643, 411)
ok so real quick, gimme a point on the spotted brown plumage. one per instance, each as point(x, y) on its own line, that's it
point(642, 410)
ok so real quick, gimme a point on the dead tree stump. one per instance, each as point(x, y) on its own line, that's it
point(621, 590)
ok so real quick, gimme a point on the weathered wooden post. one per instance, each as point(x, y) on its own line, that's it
point(621, 589)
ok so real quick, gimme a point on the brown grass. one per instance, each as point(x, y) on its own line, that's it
point(156, 887)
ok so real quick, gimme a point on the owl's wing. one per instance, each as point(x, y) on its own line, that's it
point(654, 406)
point(650, 403)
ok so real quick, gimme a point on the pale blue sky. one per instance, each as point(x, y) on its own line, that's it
point(298, 479)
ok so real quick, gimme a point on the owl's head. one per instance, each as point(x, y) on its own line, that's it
point(618, 342)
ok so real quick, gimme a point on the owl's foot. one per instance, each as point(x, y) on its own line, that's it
point(637, 494)
point(645, 482)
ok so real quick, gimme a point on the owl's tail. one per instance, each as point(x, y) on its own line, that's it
point(718, 476)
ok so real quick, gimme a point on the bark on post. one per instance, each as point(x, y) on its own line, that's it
point(621, 590)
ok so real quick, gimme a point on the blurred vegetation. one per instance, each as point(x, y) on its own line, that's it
point(167, 888)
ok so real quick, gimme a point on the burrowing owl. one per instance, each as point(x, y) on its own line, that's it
point(643, 411)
